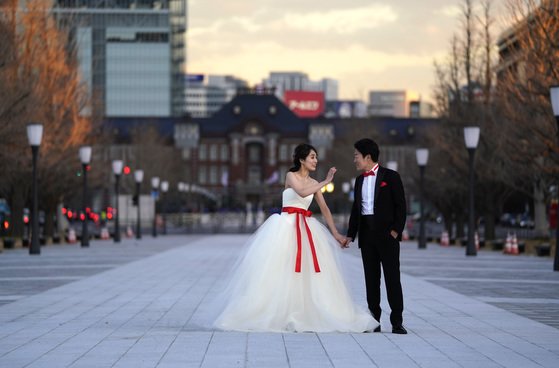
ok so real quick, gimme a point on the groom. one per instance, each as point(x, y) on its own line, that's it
point(378, 215)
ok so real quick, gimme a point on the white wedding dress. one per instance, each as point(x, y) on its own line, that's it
point(267, 294)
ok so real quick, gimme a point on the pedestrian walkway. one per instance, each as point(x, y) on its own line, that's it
point(153, 312)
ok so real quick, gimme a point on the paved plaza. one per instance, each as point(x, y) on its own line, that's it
point(145, 304)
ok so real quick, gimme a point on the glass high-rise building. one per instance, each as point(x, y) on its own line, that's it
point(131, 53)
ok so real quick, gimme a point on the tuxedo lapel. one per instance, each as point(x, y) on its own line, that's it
point(359, 191)
point(380, 176)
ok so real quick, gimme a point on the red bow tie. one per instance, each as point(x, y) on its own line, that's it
point(369, 173)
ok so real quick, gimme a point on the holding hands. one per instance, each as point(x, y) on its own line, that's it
point(343, 240)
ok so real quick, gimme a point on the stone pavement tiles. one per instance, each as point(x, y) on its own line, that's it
point(153, 313)
point(22, 275)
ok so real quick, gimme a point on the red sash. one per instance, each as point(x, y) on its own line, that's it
point(304, 213)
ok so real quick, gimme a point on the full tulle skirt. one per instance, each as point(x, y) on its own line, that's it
point(266, 294)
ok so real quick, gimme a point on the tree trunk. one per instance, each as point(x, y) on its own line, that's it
point(17, 204)
point(447, 218)
point(459, 227)
point(540, 216)
point(490, 224)
point(49, 224)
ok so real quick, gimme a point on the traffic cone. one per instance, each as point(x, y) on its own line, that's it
point(72, 236)
point(508, 244)
point(405, 235)
point(514, 247)
point(105, 234)
point(476, 240)
point(445, 241)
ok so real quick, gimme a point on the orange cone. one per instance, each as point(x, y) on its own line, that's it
point(508, 244)
point(514, 247)
point(105, 234)
point(72, 236)
point(129, 232)
point(405, 235)
point(445, 241)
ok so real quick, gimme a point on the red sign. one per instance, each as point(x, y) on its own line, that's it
point(305, 104)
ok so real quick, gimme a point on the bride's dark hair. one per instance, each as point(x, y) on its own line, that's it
point(301, 152)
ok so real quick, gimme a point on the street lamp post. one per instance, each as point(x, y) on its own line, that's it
point(117, 170)
point(182, 188)
point(85, 158)
point(471, 138)
point(154, 187)
point(139, 177)
point(554, 94)
point(422, 156)
point(34, 136)
point(164, 189)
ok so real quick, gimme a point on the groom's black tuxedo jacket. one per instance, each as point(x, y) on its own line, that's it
point(389, 205)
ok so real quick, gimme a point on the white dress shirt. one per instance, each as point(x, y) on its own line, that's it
point(368, 193)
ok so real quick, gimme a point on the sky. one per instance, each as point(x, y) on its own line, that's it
point(365, 45)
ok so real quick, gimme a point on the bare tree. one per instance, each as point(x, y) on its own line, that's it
point(523, 92)
point(43, 72)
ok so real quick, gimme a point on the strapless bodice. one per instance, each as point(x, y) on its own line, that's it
point(290, 198)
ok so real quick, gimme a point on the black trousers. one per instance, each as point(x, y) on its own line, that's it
point(378, 248)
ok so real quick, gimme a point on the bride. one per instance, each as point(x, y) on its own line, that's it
point(289, 279)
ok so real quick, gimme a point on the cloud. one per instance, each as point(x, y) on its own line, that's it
point(254, 62)
point(451, 11)
point(342, 21)
point(345, 21)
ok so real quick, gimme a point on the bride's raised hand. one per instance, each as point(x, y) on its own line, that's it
point(330, 175)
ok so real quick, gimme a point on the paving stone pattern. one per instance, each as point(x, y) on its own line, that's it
point(148, 304)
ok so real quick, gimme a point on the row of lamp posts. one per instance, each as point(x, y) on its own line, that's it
point(471, 138)
point(34, 136)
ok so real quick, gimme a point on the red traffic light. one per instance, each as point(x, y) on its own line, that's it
point(126, 170)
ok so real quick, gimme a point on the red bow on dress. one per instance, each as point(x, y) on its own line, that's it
point(305, 213)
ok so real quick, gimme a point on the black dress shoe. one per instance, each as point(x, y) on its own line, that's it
point(399, 330)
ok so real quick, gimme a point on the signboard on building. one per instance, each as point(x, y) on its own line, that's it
point(195, 78)
point(305, 104)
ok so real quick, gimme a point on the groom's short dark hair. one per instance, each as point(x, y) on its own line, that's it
point(366, 147)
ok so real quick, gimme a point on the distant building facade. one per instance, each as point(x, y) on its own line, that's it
point(205, 96)
point(131, 53)
point(242, 153)
point(298, 81)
